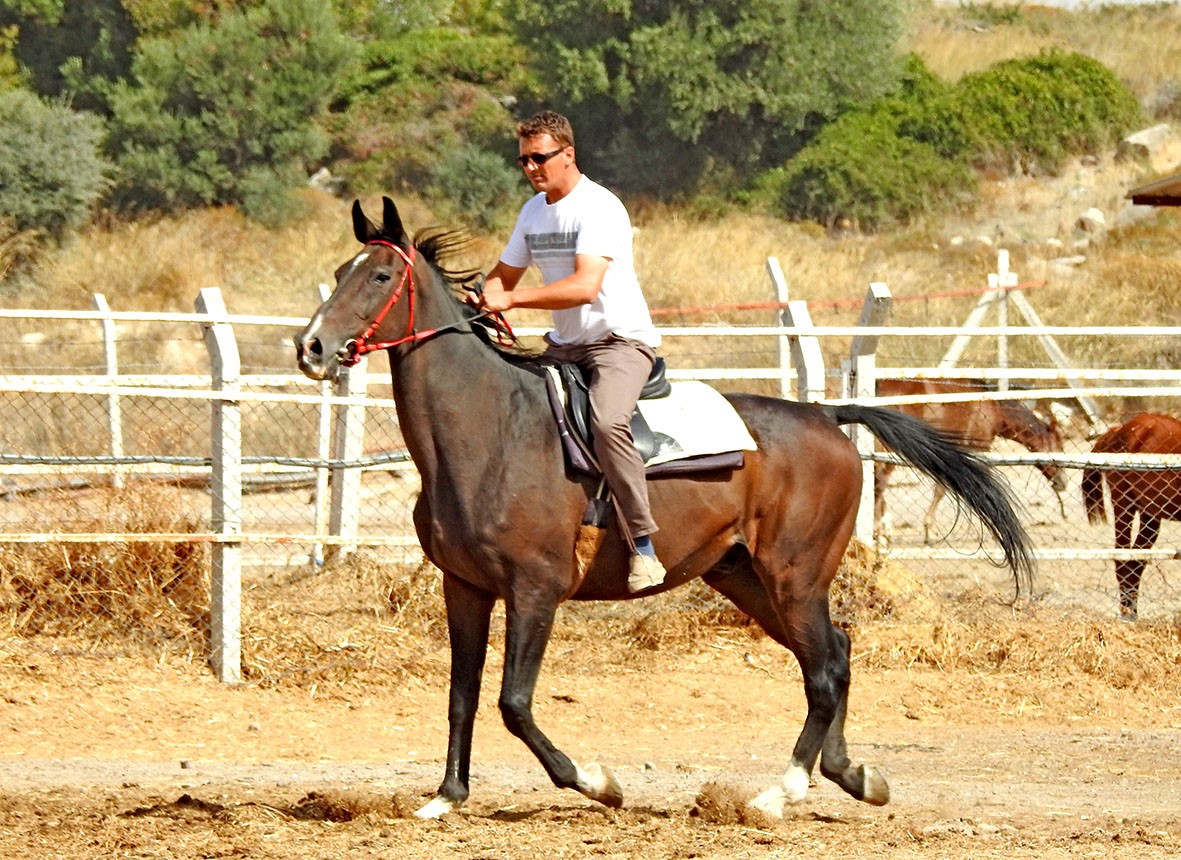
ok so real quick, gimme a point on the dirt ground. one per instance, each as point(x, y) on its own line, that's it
point(106, 754)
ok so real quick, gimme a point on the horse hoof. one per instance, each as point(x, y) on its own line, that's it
point(437, 807)
point(875, 789)
point(600, 785)
point(792, 789)
point(770, 802)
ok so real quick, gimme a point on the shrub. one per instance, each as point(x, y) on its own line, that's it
point(859, 168)
point(222, 111)
point(477, 186)
point(51, 169)
point(1030, 114)
point(419, 99)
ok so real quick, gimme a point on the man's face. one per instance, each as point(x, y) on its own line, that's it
point(556, 161)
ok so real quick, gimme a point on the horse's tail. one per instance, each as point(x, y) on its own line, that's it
point(1093, 495)
point(965, 476)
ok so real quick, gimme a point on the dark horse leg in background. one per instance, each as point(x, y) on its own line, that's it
point(469, 613)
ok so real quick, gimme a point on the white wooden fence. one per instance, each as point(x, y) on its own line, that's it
point(341, 409)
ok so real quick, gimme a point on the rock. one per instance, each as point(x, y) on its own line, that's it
point(323, 180)
point(1144, 144)
point(1091, 221)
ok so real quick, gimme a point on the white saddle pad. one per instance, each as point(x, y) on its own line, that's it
point(694, 421)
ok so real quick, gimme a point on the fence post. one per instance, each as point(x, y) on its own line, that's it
point(779, 283)
point(225, 605)
point(805, 354)
point(863, 383)
point(114, 406)
point(1005, 281)
point(320, 494)
point(348, 445)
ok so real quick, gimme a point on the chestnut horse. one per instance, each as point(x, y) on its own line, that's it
point(1155, 495)
point(975, 423)
point(500, 509)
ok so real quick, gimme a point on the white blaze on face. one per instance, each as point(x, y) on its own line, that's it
point(357, 261)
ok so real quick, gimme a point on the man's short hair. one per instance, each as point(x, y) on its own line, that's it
point(548, 122)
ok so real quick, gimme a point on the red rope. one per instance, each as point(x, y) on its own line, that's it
point(835, 303)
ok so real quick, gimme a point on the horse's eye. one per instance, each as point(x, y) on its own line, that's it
point(382, 277)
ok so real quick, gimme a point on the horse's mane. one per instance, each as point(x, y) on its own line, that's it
point(440, 246)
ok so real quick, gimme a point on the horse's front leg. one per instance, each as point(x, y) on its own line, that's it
point(528, 625)
point(469, 611)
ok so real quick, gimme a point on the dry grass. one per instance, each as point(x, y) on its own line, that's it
point(138, 592)
point(1141, 44)
point(363, 623)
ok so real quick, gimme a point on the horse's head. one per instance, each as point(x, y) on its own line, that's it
point(1049, 437)
point(373, 301)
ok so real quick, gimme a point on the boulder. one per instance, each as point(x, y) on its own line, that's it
point(1143, 145)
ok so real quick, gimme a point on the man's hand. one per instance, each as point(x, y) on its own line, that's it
point(494, 298)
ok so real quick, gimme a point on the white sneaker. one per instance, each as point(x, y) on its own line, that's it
point(646, 571)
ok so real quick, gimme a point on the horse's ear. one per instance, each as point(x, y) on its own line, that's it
point(363, 228)
point(391, 221)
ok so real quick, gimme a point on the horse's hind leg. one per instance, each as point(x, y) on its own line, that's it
point(861, 781)
point(929, 520)
point(528, 627)
point(469, 611)
point(1129, 572)
point(741, 585)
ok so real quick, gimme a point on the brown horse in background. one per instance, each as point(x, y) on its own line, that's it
point(975, 424)
point(1155, 494)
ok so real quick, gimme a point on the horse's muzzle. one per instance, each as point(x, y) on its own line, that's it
point(309, 356)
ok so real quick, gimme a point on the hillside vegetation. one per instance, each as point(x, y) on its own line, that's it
point(712, 252)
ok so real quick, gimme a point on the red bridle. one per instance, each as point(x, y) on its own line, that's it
point(361, 345)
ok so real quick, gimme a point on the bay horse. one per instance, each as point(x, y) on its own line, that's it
point(500, 509)
point(1155, 495)
point(975, 424)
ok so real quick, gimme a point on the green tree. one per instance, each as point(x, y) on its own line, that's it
point(71, 49)
point(51, 168)
point(226, 111)
point(667, 95)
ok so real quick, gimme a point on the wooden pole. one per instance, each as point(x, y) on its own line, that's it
point(875, 312)
point(114, 405)
point(225, 604)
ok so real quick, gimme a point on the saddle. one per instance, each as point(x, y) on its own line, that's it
point(663, 416)
point(576, 384)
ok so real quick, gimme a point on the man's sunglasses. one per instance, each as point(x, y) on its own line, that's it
point(539, 157)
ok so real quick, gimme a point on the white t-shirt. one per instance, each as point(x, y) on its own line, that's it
point(588, 220)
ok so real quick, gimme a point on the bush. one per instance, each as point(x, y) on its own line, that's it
point(860, 169)
point(51, 169)
point(477, 186)
point(219, 113)
point(419, 99)
point(1031, 114)
point(913, 151)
